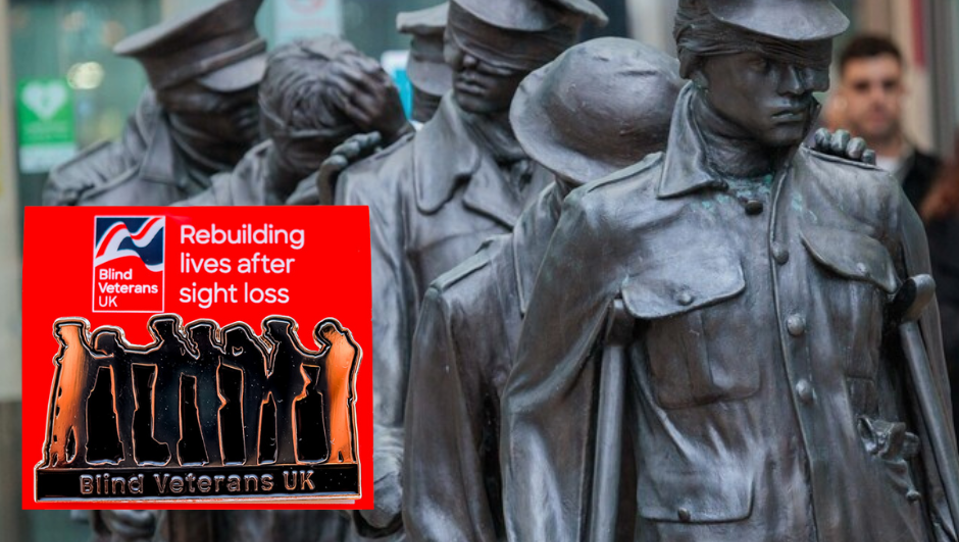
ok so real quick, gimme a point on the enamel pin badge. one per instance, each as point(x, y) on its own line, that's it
point(218, 359)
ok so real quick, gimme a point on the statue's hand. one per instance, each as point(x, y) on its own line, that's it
point(368, 96)
point(387, 492)
point(130, 525)
point(346, 154)
point(841, 143)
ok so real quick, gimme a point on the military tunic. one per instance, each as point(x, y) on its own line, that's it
point(433, 199)
point(248, 184)
point(144, 167)
point(764, 398)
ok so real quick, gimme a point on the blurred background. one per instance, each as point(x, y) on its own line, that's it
point(62, 89)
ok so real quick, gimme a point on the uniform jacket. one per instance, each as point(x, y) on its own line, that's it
point(142, 168)
point(765, 400)
point(433, 199)
point(247, 184)
point(463, 351)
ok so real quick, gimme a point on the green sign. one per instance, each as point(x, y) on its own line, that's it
point(44, 124)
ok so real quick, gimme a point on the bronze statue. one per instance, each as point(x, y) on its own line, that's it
point(431, 79)
point(430, 76)
point(304, 118)
point(722, 311)
point(601, 106)
point(434, 198)
point(197, 119)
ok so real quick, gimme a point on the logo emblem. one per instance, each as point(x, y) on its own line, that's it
point(128, 264)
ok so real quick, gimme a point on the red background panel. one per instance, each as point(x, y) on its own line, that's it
point(330, 278)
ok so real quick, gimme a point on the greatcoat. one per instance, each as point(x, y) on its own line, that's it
point(766, 396)
point(433, 199)
point(143, 167)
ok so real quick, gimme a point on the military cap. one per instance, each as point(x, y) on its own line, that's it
point(531, 15)
point(217, 46)
point(792, 20)
point(427, 69)
point(599, 107)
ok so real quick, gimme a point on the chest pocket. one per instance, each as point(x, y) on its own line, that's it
point(669, 295)
point(860, 274)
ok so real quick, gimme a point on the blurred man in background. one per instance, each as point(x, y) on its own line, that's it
point(870, 103)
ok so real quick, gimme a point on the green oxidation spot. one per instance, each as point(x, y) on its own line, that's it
point(797, 202)
point(708, 205)
point(723, 198)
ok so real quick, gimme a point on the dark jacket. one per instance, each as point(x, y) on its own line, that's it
point(143, 167)
point(433, 199)
point(463, 351)
point(919, 174)
point(762, 399)
point(944, 249)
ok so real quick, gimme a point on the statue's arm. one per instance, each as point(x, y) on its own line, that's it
point(444, 487)
point(548, 401)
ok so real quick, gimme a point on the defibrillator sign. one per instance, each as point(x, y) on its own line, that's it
point(178, 357)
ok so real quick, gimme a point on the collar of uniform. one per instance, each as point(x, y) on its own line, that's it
point(685, 168)
point(158, 163)
point(444, 155)
point(530, 239)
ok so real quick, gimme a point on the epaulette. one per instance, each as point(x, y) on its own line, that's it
point(840, 160)
point(469, 266)
point(647, 163)
point(92, 150)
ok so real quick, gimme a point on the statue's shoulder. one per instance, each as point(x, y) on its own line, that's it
point(862, 188)
point(462, 278)
point(377, 175)
point(92, 167)
point(845, 170)
point(389, 157)
point(635, 184)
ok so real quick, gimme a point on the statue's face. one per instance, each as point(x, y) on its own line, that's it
point(478, 86)
point(231, 118)
point(770, 100)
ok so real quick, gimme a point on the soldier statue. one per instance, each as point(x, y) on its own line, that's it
point(740, 283)
point(304, 118)
point(601, 106)
point(433, 198)
point(431, 78)
point(198, 117)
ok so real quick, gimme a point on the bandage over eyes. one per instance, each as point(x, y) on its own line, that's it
point(507, 49)
point(700, 34)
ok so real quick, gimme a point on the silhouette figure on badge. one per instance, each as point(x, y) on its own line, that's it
point(340, 356)
point(244, 351)
point(108, 347)
point(203, 368)
point(168, 353)
point(286, 382)
point(75, 363)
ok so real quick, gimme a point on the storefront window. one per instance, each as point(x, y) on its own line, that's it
point(72, 40)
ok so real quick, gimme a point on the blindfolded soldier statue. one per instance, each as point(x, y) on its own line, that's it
point(741, 284)
point(601, 106)
point(435, 197)
point(198, 118)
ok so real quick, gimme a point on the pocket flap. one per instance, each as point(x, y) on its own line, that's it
point(680, 282)
point(722, 495)
point(851, 255)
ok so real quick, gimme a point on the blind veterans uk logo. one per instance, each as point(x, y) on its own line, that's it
point(128, 264)
point(220, 362)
